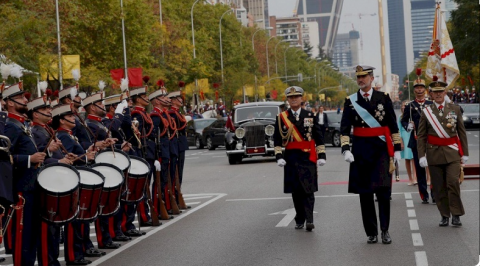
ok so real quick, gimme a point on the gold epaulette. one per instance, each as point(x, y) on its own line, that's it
point(320, 149)
point(396, 138)
point(344, 140)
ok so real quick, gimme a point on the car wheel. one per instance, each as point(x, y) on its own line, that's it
point(336, 139)
point(198, 143)
point(234, 159)
point(210, 145)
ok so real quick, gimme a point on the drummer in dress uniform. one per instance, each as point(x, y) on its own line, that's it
point(6, 178)
point(161, 134)
point(96, 112)
point(443, 147)
point(112, 104)
point(77, 247)
point(373, 119)
point(39, 112)
point(410, 120)
point(297, 130)
point(143, 124)
point(26, 157)
point(221, 108)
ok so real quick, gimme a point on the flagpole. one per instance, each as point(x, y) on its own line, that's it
point(60, 70)
point(124, 42)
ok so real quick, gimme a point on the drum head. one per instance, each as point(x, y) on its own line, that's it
point(58, 178)
point(119, 159)
point(90, 176)
point(113, 176)
point(139, 166)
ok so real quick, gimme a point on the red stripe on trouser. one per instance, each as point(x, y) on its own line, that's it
point(17, 253)
point(69, 241)
point(44, 246)
point(98, 232)
point(141, 206)
point(167, 199)
point(111, 229)
point(124, 218)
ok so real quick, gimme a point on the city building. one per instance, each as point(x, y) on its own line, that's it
point(346, 51)
point(258, 9)
point(448, 6)
point(310, 36)
point(327, 14)
point(288, 28)
point(423, 15)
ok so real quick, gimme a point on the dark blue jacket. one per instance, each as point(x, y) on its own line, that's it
point(6, 178)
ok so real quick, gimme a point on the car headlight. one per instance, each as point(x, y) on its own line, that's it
point(465, 118)
point(269, 130)
point(239, 132)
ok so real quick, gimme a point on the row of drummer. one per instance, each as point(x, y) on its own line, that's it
point(62, 168)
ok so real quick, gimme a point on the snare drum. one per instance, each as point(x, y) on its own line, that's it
point(91, 186)
point(58, 188)
point(110, 200)
point(120, 159)
point(137, 179)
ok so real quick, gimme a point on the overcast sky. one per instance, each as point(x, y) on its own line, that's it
point(368, 26)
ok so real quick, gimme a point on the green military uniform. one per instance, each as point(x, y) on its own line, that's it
point(442, 140)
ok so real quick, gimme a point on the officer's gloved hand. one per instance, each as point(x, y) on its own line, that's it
point(348, 157)
point(157, 166)
point(119, 108)
point(321, 162)
point(397, 156)
point(124, 103)
point(464, 159)
point(423, 162)
point(281, 162)
point(410, 126)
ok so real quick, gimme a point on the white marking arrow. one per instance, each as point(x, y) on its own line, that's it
point(289, 216)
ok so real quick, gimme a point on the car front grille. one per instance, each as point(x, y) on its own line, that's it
point(255, 136)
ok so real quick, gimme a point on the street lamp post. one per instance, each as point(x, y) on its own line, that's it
point(161, 24)
point(285, 58)
point(253, 36)
point(221, 47)
point(193, 40)
point(60, 74)
point(276, 65)
point(268, 65)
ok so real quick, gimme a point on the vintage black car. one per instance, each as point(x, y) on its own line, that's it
point(195, 131)
point(332, 134)
point(254, 128)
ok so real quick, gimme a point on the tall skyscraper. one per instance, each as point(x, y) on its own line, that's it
point(423, 15)
point(258, 9)
point(327, 14)
point(400, 37)
point(346, 52)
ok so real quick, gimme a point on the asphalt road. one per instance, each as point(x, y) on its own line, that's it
point(240, 216)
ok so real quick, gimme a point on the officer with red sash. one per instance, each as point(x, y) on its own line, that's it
point(373, 119)
point(298, 132)
point(443, 147)
point(410, 119)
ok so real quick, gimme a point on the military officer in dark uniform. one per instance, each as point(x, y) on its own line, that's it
point(442, 146)
point(77, 233)
point(373, 119)
point(298, 132)
point(96, 112)
point(6, 178)
point(26, 157)
point(410, 119)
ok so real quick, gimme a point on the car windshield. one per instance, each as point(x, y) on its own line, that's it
point(334, 117)
point(203, 123)
point(474, 108)
point(256, 112)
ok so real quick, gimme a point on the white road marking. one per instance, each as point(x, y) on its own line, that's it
point(199, 197)
point(417, 239)
point(409, 203)
point(414, 225)
point(411, 213)
point(476, 136)
point(193, 203)
point(290, 215)
point(151, 232)
point(190, 158)
point(408, 195)
point(421, 258)
point(219, 156)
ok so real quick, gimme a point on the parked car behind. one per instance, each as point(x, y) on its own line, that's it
point(332, 134)
point(471, 116)
point(214, 134)
point(195, 131)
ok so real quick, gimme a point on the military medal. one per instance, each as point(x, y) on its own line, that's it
point(296, 118)
point(449, 125)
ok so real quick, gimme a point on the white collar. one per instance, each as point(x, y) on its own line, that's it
point(369, 93)
point(437, 105)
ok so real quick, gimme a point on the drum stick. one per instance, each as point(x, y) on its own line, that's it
point(79, 157)
point(113, 150)
point(48, 144)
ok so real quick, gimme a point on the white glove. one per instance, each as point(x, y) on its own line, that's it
point(157, 166)
point(281, 162)
point(397, 156)
point(321, 162)
point(348, 157)
point(119, 108)
point(410, 126)
point(464, 159)
point(423, 162)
